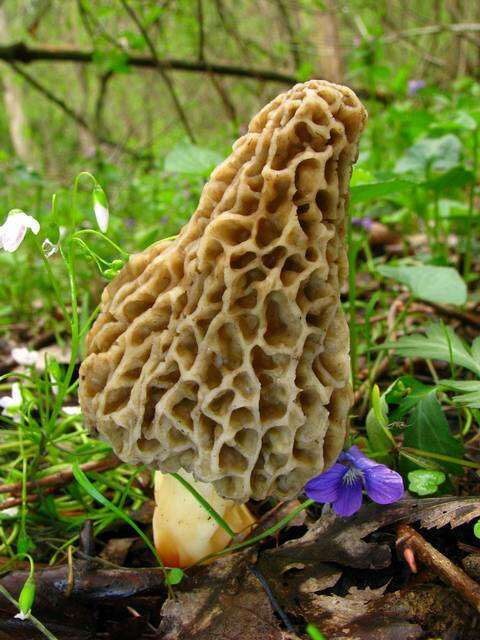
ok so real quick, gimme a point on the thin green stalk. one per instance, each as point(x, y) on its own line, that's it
point(353, 248)
point(268, 532)
point(467, 264)
point(35, 621)
point(103, 237)
point(51, 278)
point(440, 456)
point(89, 488)
point(208, 508)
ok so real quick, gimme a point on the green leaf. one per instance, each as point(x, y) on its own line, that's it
point(379, 438)
point(434, 284)
point(424, 482)
point(462, 121)
point(314, 633)
point(406, 392)
point(89, 488)
point(469, 391)
point(436, 154)
point(476, 529)
point(304, 72)
point(175, 576)
point(189, 159)
point(428, 430)
point(374, 190)
point(453, 209)
point(439, 343)
point(457, 177)
point(475, 349)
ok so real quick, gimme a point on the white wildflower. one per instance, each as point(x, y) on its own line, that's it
point(13, 230)
point(24, 356)
point(12, 404)
point(72, 411)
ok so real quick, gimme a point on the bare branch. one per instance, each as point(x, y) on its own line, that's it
point(161, 69)
point(62, 477)
point(100, 101)
point(201, 31)
point(71, 113)
point(20, 52)
point(461, 27)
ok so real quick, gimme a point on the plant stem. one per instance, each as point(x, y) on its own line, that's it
point(269, 532)
point(353, 248)
point(471, 205)
point(32, 619)
point(208, 508)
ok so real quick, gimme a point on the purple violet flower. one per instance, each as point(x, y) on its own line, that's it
point(365, 223)
point(343, 484)
point(414, 86)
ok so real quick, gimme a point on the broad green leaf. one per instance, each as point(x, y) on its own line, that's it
point(436, 154)
point(428, 430)
point(457, 177)
point(373, 190)
point(189, 159)
point(424, 482)
point(439, 343)
point(361, 176)
point(434, 284)
point(453, 209)
point(462, 121)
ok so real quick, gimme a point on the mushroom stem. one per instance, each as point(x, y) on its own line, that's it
point(183, 531)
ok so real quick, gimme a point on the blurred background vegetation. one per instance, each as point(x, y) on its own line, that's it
point(148, 95)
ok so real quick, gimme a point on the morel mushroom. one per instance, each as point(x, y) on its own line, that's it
point(225, 352)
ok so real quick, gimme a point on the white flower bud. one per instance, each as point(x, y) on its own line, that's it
point(100, 207)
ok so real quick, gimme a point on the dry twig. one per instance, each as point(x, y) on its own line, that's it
point(410, 540)
point(58, 479)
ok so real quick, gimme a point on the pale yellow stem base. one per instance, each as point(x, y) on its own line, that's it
point(183, 531)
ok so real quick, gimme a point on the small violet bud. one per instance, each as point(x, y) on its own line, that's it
point(414, 86)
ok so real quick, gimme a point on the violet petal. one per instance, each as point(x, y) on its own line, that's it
point(383, 485)
point(327, 486)
point(349, 498)
point(357, 458)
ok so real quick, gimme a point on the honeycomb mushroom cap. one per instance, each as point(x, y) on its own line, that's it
point(225, 352)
